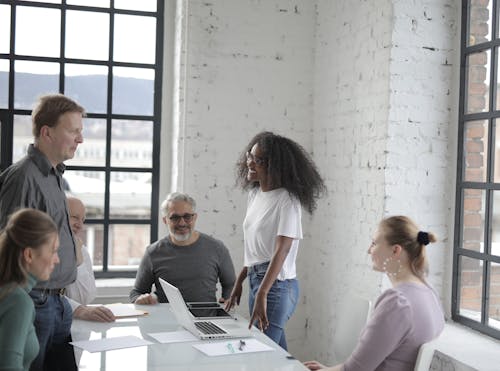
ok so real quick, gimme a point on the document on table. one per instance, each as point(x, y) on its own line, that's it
point(173, 336)
point(237, 346)
point(125, 310)
point(102, 345)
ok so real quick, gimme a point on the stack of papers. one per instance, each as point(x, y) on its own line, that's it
point(228, 347)
point(125, 310)
point(102, 345)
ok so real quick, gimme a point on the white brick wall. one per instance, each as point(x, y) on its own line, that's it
point(356, 83)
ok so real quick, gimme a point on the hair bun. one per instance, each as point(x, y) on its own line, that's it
point(423, 238)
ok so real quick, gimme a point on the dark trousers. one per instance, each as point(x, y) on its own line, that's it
point(53, 329)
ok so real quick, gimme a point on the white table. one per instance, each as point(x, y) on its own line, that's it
point(174, 356)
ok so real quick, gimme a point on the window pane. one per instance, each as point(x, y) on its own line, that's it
point(92, 152)
point(132, 143)
point(4, 28)
point(146, 5)
point(133, 91)
point(497, 151)
point(473, 219)
point(494, 310)
point(4, 83)
point(479, 22)
point(127, 243)
point(475, 151)
point(130, 195)
point(32, 79)
point(88, 85)
point(47, 1)
point(471, 288)
point(478, 79)
point(38, 31)
point(22, 136)
point(87, 35)
point(95, 3)
point(93, 238)
point(134, 39)
point(88, 186)
point(495, 224)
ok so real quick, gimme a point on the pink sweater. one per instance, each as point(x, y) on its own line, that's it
point(403, 318)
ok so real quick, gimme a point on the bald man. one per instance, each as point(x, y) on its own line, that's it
point(83, 290)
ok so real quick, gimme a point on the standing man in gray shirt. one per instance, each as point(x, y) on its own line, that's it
point(190, 260)
point(36, 182)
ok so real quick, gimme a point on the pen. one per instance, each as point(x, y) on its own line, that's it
point(230, 347)
point(242, 345)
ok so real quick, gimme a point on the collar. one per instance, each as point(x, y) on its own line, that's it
point(42, 162)
point(30, 282)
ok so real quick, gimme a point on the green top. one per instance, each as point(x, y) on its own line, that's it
point(18, 341)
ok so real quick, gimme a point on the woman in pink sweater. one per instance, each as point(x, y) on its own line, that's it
point(405, 316)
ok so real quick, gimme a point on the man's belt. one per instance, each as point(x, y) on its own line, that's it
point(59, 292)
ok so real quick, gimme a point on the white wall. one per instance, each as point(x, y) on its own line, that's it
point(357, 84)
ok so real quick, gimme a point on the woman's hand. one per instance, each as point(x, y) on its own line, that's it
point(234, 298)
point(259, 311)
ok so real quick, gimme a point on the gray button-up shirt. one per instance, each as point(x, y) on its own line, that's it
point(33, 182)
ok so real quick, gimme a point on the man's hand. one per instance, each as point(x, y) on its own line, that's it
point(146, 299)
point(97, 314)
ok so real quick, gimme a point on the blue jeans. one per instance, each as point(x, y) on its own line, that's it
point(53, 317)
point(281, 301)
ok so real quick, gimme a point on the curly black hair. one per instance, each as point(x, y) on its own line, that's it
point(289, 166)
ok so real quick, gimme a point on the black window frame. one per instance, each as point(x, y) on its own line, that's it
point(489, 185)
point(7, 115)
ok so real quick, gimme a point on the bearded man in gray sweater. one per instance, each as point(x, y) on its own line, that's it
point(190, 260)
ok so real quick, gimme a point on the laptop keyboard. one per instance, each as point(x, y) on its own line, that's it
point(208, 328)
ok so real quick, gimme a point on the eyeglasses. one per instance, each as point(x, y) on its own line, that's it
point(260, 161)
point(177, 218)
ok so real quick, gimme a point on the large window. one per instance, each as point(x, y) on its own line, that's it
point(476, 263)
point(107, 55)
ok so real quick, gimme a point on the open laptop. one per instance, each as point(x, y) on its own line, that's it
point(206, 329)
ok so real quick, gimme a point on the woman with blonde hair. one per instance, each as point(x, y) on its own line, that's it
point(405, 316)
point(28, 253)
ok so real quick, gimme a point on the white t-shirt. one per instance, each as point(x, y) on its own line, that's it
point(83, 290)
point(271, 214)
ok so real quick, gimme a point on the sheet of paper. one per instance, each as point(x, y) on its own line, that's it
point(102, 345)
point(125, 310)
point(173, 336)
point(233, 346)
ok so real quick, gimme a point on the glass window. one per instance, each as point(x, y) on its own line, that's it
point(471, 288)
point(478, 22)
point(478, 80)
point(23, 136)
point(131, 143)
point(145, 5)
point(86, 35)
point(88, 85)
point(94, 3)
point(494, 309)
point(476, 278)
point(113, 171)
point(137, 34)
point(44, 36)
point(32, 79)
point(4, 83)
point(129, 242)
point(133, 91)
point(4, 28)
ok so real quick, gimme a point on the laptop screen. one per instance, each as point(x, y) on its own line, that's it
point(209, 313)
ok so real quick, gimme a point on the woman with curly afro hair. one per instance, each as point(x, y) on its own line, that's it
point(281, 179)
